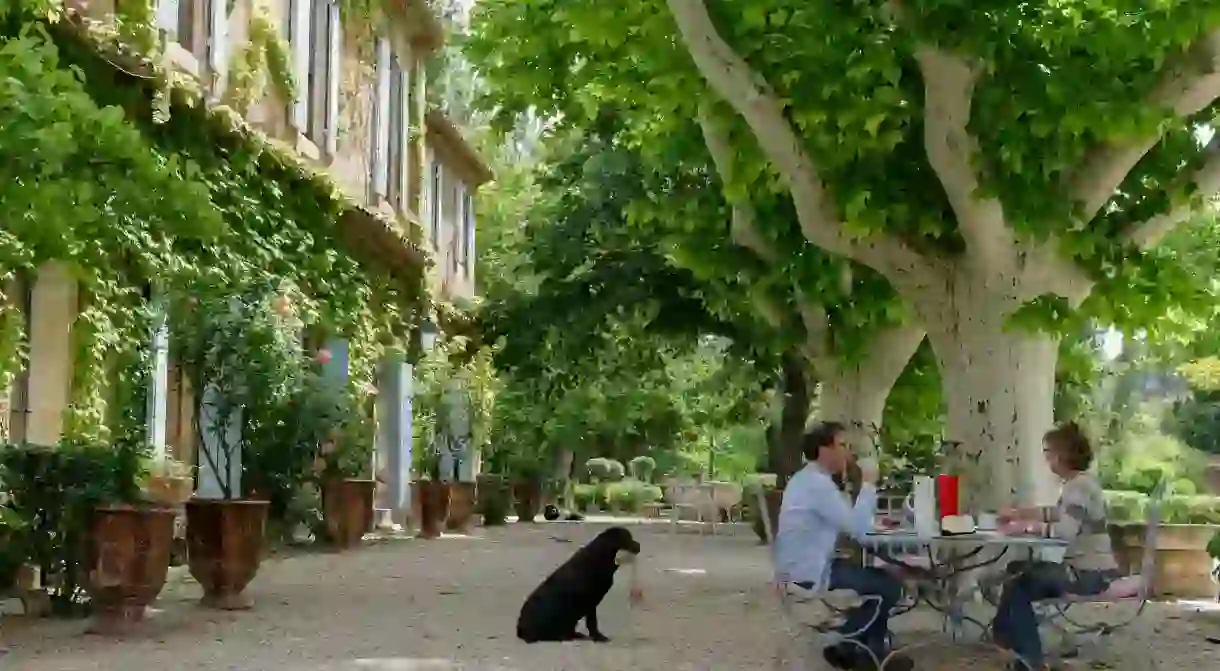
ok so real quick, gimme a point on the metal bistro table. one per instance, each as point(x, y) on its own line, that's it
point(941, 566)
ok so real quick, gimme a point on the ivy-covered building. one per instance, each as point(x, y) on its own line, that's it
point(311, 122)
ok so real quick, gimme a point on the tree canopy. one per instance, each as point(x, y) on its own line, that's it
point(1002, 166)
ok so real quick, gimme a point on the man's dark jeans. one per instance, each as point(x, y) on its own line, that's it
point(869, 623)
point(1016, 624)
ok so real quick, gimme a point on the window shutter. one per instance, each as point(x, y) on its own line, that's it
point(404, 137)
point(167, 17)
point(334, 76)
point(428, 206)
point(469, 237)
point(218, 33)
point(457, 245)
point(298, 37)
point(381, 120)
point(438, 199)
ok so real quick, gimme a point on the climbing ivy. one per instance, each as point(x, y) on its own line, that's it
point(122, 174)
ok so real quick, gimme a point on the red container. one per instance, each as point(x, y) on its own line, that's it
point(948, 494)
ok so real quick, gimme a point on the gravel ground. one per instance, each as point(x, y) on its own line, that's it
point(451, 604)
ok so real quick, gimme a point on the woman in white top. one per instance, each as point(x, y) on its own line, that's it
point(1079, 518)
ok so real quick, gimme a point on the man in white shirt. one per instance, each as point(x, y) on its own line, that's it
point(814, 512)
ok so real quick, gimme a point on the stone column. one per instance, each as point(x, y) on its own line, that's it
point(394, 385)
point(50, 364)
point(158, 382)
point(210, 479)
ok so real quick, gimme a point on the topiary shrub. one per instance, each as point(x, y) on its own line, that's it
point(601, 469)
point(642, 468)
point(631, 495)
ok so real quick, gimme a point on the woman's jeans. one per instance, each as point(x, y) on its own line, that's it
point(1016, 624)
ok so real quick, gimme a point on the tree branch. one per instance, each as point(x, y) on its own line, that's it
point(1207, 183)
point(949, 82)
point(749, 93)
point(743, 228)
point(1186, 88)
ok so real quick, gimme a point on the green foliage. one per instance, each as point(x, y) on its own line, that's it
point(642, 468)
point(630, 495)
point(448, 379)
point(1039, 63)
point(52, 493)
point(241, 350)
point(1127, 506)
point(1140, 460)
point(585, 496)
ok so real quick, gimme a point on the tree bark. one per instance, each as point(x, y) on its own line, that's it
point(999, 385)
point(784, 450)
point(855, 395)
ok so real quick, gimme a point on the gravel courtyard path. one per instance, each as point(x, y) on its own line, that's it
point(451, 604)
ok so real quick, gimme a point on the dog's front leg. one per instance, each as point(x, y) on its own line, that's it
point(595, 634)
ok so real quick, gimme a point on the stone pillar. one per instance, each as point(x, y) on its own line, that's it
point(54, 304)
point(394, 387)
point(210, 479)
point(157, 416)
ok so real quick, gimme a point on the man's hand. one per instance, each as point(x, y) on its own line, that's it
point(869, 471)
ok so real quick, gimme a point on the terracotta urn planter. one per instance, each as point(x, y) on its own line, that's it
point(493, 499)
point(461, 506)
point(224, 548)
point(347, 509)
point(129, 549)
point(1183, 567)
point(431, 505)
point(527, 499)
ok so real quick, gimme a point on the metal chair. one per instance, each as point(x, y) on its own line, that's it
point(1137, 590)
point(817, 627)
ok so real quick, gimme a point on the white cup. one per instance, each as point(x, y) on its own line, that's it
point(988, 521)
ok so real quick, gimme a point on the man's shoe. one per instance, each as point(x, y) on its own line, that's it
point(840, 657)
point(897, 662)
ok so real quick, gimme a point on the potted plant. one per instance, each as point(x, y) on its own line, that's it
point(527, 483)
point(430, 495)
point(342, 466)
point(493, 499)
point(241, 349)
point(130, 537)
point(1189, 523)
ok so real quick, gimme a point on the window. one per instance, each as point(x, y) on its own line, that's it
point(398, 134)
point(190, 22)
point(389, 128)
point(316, 39)
point(435, 196)
point(467, 250)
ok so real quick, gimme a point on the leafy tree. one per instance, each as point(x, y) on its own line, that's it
point(1001, 166)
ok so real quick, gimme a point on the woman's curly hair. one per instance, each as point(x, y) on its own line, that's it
point(1071, 444)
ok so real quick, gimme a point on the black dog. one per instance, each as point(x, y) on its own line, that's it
point(574, 591)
